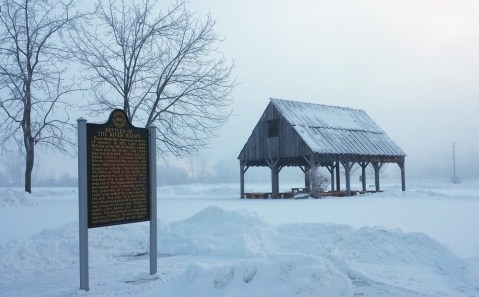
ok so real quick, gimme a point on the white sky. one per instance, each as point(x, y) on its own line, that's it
point(413, 66)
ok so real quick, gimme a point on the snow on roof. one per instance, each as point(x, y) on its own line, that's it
point(337, 130)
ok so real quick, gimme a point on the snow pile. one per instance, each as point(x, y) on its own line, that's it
point(277, 275)
point(119, 241)
point(210, 247)
point(200, 189)
point(13, 197)
point(393, 257)
point(217, 232)
point(49, 250)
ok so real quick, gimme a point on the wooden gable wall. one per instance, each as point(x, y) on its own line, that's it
point(260, 147)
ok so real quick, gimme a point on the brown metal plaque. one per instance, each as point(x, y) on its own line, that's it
point(118, 172)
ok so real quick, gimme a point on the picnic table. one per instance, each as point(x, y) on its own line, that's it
point(300, 190)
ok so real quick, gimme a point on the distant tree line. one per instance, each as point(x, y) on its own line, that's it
point(221, 172)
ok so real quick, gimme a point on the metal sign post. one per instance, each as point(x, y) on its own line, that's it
point(82, 204)
point(153, 215)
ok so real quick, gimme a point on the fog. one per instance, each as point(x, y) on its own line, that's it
point(413, 66)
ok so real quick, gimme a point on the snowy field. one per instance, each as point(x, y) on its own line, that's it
point(423, 242)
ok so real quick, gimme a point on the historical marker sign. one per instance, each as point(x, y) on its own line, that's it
point(116, 180)
point(118, 185)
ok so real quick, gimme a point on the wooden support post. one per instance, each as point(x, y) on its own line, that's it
point(243, 169)
point(307, 181)
point(307, 172)
point(403, 175)
point(347, 167)
point(363, 174)
point(275, 182)
point(338, 178)
point(273, 165)
point(241, 180)
point(331, 171)
point(377, 167)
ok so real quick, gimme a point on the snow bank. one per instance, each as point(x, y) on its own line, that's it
point(234, 253)
point(13, 197)
point(200, 189)
point(214, 231)
point(369, 245)
point(49, 250)
point(393, 257)
point(278, 275)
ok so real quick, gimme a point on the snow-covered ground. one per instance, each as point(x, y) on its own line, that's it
point(423, 242)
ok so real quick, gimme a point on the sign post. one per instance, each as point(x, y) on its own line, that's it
point(153, 219)
point(116, 180)
point(82, 204)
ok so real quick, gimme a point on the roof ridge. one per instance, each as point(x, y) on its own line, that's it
point(339, 128)
point(311, 103)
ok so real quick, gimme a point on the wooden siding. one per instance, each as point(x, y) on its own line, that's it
point(260, 147)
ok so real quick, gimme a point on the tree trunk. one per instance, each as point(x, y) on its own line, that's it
point(29, 160)
point(28, 139)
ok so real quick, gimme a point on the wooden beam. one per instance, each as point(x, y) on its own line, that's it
point(338, 178)
point(347, 167)
point(403, 175)
point(308, 161)
point(273, 165)
point(303, 168)
point(331, 171)
point(377, 167)
point(272, 162)
point(243, 169)
point(307, 177)
point(363, 174)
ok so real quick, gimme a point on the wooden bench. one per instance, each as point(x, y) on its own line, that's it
point(300, 190)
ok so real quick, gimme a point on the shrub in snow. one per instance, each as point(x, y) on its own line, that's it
point(319, 181)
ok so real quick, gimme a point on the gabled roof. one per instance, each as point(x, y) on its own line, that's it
point(337, 130)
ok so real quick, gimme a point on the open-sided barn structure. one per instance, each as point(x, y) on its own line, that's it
point(292, 133)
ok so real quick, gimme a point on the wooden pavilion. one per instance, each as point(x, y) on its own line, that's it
point(293, 133)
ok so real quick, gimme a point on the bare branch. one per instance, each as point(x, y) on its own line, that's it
point(31, 76)
point(160, 69)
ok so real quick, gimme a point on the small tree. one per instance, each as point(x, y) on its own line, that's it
point(319, 181)
point(160, 68)
point(32, 106)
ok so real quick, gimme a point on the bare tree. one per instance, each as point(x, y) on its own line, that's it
point(161, 68)
point(32, 89)
point(319, 181)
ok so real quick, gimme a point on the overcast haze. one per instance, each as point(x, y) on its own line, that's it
point(413, 66)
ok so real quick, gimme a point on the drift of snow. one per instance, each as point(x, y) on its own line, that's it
point(219, 245)
point(279, 275)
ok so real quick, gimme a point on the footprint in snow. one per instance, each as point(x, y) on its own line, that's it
point(224, 277)
point(249, 273)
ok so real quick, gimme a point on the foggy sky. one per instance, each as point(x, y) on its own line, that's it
point(413, 66)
